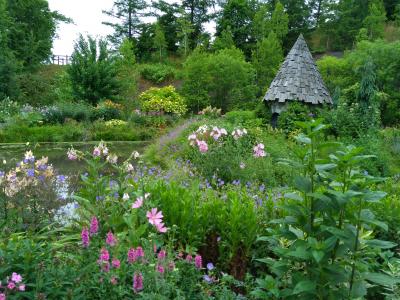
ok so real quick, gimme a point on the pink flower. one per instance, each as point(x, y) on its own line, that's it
point(203, 147)
point(72, 155)
point(104, 255)
point(160, 269)
point(85, 237)
point(258, 150)
point(139, 252)
point(11, 285)
point(154, 216)
point(138, 203)
point(96, 151)
point(2, 296)
point(105, 266)
point(94, 226)
point(16, 277)
point(137, 282)
point(171, 265)
point(116, 263)
point(160, 228)
point(110, 239)
point(21, 287)
point(113, 280)
point(162, 254)
point(189, 258)
point(132, 255)
point(198, 262)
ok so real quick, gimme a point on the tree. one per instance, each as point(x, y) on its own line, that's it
point(266, 59)
point(145, 45)
point(8, 86)
point(391, 8)
point(223, 80)
point(159, 40)
point(224, 41)
point(93, 71)
point(238, 15)
point(168, 20)
point(197, 14)
point(184, 33)
point(33, 28)
point(279, 22)
point(127, 13)
point(299, 17)
point(375, 21)
point(127, 74)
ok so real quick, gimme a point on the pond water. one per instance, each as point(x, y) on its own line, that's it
point(56, 152)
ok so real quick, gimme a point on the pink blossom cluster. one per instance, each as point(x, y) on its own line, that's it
point(139, 200)
point(258, 150)
point(137, 282)
point(72, 154)
point(203, 147)
point(111, 240)
point(155, 218)
point(14, 284)
point(198, 261)
point(216, 133)
point(135, 254)
point(100, 149)
point(104, 261)
point(238, 133)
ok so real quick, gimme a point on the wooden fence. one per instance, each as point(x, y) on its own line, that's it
point(60, 60)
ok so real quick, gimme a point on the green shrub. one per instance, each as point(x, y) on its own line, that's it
point(295, 111)
point(162, 100)
point(157, 73)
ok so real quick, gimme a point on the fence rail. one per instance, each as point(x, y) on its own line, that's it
point(60, 60)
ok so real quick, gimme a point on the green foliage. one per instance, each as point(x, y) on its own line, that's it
point(127, 73)
point(157, 73)
point(328, 228)
point(159, 41)
point(296, 111)
point(375, 21)
point(225, 40)
point(162, 100)
point(223, 80)
point(32, 30)
point(266, 60)
point(93, 71)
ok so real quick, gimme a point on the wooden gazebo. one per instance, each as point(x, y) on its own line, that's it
point(298, 79)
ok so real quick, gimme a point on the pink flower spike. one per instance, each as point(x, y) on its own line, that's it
point(16, 277)
point(161, 255)
point(94, 226)
point(132, 255)
point(189, 258)
point(21, 287)
point(154, 216)
point(198, 262)
point(116, 263)
point(139, 252)
point(137, 282)
point(85, 237)
point(110, 239)
point(160, 269)
point(104, 255)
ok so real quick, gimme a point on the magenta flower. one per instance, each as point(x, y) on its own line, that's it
point(11, 285)
point(161, 255)
point(160, 228)
point(137, 282)
point(21, 287)
point(16, 277)
point(94, 226)
point(189, 258)
point(104, 255)
point(110, 239)
point(96, 152)
point(116, 263)
point(198, 262)
point(105, 266)
point(203, 147)
point(160, 269)
point(139, 252)
point(154, 216)
point(85, 237)
point(132, 255)
point(2, 296)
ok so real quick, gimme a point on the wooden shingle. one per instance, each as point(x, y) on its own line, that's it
point(298, 78)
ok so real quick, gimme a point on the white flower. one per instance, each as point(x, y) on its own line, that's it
point(125, 197)
point(135, 155)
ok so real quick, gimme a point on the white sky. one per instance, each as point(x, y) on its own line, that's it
point(87, 17)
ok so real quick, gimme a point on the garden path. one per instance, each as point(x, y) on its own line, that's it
point(174, 133)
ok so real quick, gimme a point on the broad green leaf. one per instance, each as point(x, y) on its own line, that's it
point(359, 289)
point(381, 279)
point(302, 184)
point(374, 196)
point(318, 255)
point(305, 286)
point(380, 244)
point(325, 167)
point(293, 196)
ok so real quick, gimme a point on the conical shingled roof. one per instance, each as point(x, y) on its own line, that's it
point(298, 78)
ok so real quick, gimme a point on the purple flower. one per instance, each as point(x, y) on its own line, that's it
point(210, 266)
point(110, 239)
point(85, 237)
point(30, 172)
point(198, 261)
point(94, 226)
point(61, 178)
point(207, 279)
point(137, 282)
